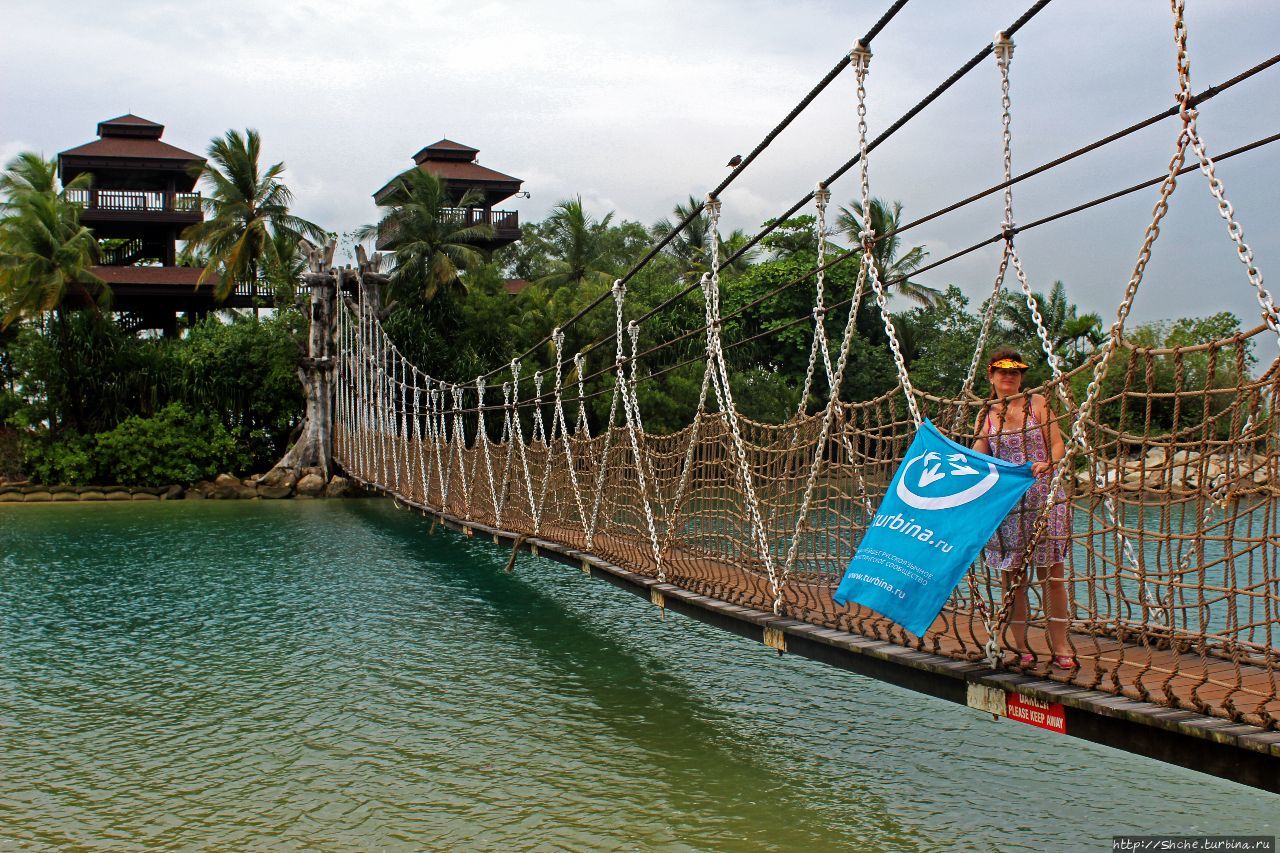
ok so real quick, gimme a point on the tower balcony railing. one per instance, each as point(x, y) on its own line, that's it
point(137, 201)
point(505, 223)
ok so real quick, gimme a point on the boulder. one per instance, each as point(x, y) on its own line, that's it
point(339, 487)
point(204, 487)
point(226, 488)
point(277, 477)
point(1155, 456)
point(173, 493)
point(272, 493)
point(313, 469)
point(194, 495)
point(310, 486)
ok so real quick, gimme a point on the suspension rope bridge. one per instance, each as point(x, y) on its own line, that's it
point(1173, 557)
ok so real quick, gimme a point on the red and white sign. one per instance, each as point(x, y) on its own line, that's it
point(1044, 715)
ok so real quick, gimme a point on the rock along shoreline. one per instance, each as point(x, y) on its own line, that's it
point(274, 485)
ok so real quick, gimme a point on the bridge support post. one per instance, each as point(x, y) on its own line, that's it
point(314, 447)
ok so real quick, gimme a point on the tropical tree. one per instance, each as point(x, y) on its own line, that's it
point(45, 253)
point(1073, 335)
point(578, 246)
point(429, 243)
point(691, 248)
point(245, 209)
point(894, 269)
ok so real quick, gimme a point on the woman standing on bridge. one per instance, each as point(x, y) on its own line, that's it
point(1019, 428)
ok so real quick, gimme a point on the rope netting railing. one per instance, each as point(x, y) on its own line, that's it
point(1171, 471)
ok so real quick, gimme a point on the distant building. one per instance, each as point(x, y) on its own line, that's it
point(141, 197)
point(456, 165)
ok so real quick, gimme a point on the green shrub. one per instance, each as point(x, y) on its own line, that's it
point(172, 447)
point(66, 458)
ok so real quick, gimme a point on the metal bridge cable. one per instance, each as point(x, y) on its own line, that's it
point(1199, 98)
point(1206, 95)
point(852, 253)
point(1275, 137)
point(746, 161)
point(897, 125)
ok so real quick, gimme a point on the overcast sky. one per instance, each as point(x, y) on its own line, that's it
point(637, 105)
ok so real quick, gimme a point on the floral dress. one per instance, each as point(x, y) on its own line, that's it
point(1007, 547)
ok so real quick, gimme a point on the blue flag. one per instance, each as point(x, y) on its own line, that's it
point(943, 505)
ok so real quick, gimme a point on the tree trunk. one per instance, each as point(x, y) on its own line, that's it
point(314, 447)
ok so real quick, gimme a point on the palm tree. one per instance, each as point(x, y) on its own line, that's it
point(45, 253)
point(886, 218)
point(244, 209)
point(431, 245)
point(691, 248)
point(1073, 335)
point(578, 247)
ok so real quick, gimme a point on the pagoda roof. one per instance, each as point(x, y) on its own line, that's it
point(455, 164)
point(132, 148)
point(131, 137)
point(130, 125)
point(446, 149)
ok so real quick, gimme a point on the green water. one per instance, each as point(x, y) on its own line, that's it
point(325, 675)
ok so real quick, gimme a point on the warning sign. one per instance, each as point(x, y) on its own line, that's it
point(1044, 715)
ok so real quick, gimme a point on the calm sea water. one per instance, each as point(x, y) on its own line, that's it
point(325, 675)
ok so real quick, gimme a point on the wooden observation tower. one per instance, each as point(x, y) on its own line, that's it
point(140, 199)
point(456, 165)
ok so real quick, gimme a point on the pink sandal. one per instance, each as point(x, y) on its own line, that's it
point(1065, 662)
point(1027, 659)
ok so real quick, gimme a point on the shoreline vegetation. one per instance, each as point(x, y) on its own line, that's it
point(89, 395)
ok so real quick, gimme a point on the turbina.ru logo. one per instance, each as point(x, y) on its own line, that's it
point(930, 481)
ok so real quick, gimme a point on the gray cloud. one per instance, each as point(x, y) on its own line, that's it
point(635, 106)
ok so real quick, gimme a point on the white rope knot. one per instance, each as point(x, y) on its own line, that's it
point(1007, 230)
point(619, 290)
point(867, 235)
point(860, 56)
point(821, 195)
point(712, 206)
point(1002, 45)
point(819, 312)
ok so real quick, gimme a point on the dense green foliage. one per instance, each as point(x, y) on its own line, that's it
point(79, 377)
point(172, 446)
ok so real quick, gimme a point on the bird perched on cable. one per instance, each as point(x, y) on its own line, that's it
point(735, 162)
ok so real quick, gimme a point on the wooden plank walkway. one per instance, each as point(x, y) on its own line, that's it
point(1161, 702)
